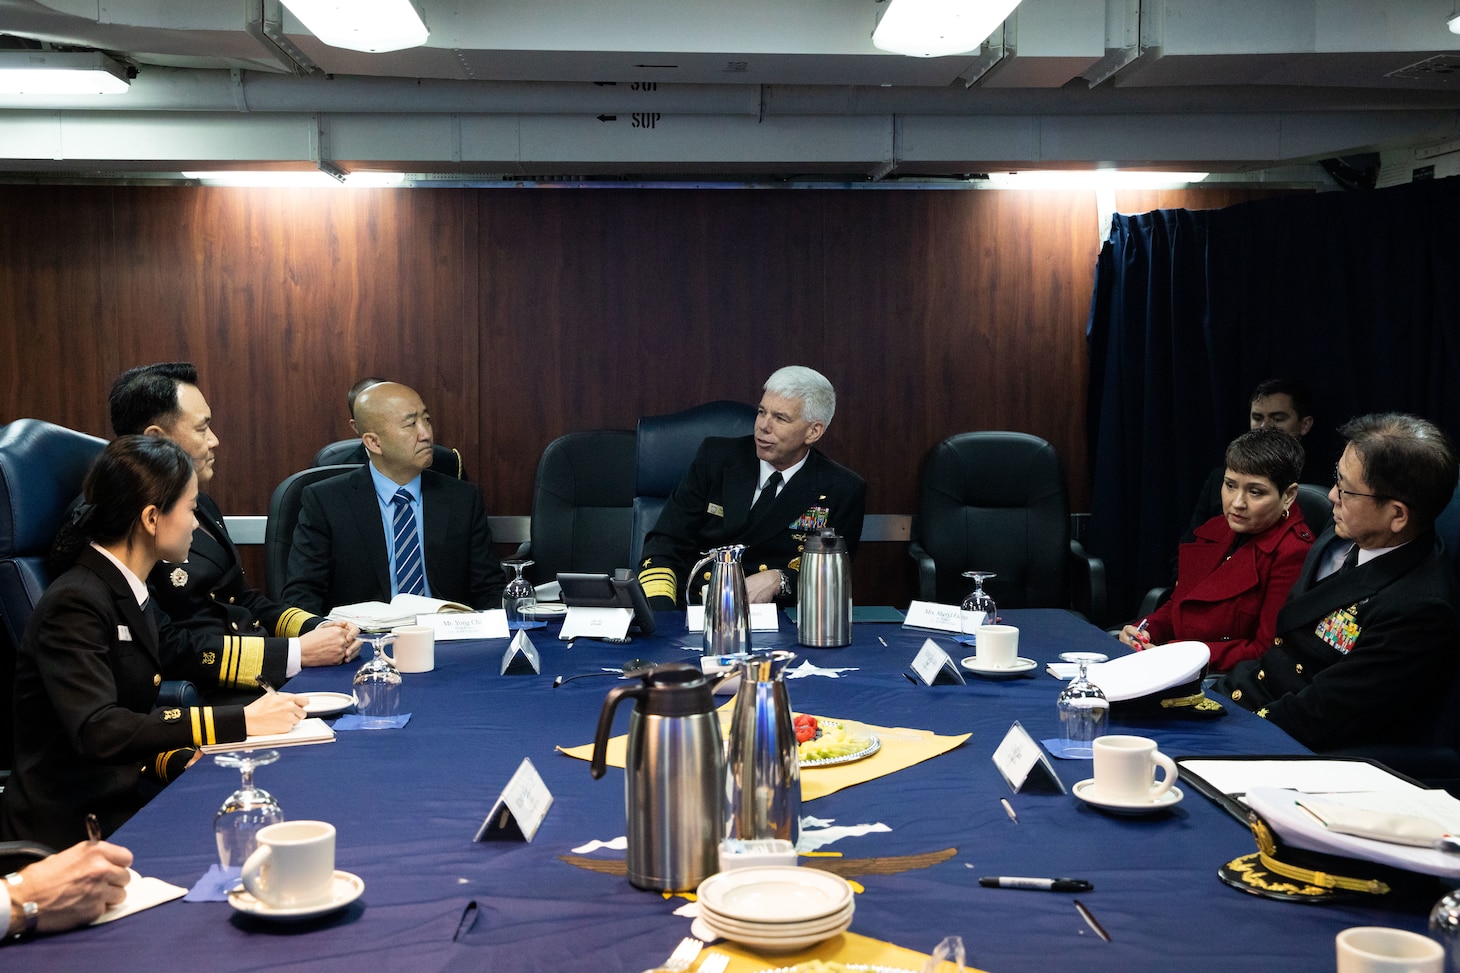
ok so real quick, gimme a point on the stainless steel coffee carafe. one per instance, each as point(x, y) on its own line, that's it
point(674, 774)
point(763, 767)
point(727, 607)
point(824, 592)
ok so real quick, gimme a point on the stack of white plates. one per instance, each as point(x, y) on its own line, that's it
point(776, 908)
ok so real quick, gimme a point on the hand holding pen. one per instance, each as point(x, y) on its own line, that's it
point(1136, 636)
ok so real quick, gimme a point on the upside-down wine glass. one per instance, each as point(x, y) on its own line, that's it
point(377, 685)
point(519, 595)
point(1082, 708)
point(978, 601)
point(237, 823)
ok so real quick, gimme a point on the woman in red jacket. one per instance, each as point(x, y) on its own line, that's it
point(1232, 579)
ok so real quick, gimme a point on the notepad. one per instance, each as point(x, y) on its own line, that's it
point(312, 730)
point(380, 616)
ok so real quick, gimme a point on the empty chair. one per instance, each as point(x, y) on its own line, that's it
point(284, 507)
point(352, 452)
point(665, 448)
point(582, 505)
point(995, 501)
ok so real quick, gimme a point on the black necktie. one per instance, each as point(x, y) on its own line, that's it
point(767, 495)
point(1350, 559)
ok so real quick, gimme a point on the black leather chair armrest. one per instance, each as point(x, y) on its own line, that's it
point(178, 692)
point(15, 855)
point(927, 570)
point(1087, 584)
point(1152, 600)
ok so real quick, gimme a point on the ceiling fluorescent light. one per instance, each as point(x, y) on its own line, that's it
point(362, 25)
point(61, 73)
point(303, 179)
point(1093, 179)
point(934, 28)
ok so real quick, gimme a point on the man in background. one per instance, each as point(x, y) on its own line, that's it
point(394, 525)
point(238, 631)
point(1278, 403)
point(1368, 643)
point(767, 491)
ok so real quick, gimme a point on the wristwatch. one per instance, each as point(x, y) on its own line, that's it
point(30, 912)
point(785, 583)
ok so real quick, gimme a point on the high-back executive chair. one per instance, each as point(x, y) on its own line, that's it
point(582, 505)
point(995, 501)
point(351, 452)
point(665, 448)
point(41, 469)
point(284, 507)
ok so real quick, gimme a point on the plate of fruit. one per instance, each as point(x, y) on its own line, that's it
point(825, 743)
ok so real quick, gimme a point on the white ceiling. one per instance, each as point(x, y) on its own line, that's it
point(762, 89)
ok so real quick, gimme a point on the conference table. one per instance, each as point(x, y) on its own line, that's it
point(407, 803)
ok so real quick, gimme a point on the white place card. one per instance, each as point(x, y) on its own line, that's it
point(1022, 761)
point(763, 618)
point(940, 618)
point(451, 627)
point(521, 657)
point(596, 623)
point(934, 666)
point(520, 809)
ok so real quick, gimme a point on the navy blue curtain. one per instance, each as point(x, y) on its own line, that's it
point(1357, 293)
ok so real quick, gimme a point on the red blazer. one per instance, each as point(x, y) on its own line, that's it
point(1232, 604)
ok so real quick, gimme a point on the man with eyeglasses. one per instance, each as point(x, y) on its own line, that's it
point(1368, 642)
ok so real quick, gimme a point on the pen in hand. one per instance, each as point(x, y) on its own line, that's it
point(93, 828)
point(265, 685)
point(1141, 639)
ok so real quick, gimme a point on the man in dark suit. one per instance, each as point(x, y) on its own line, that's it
point(393, 526)
point(1368, 642)
point(766, 491)
point(233, 627)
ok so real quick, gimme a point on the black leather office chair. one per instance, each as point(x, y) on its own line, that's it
point(41, 469)
point(15, 855)
point(582, 505)
point(666, 446)
point(352, 452)
point(284, 507)
point(995, 501)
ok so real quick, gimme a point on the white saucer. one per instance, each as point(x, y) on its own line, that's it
point(347, 888)
point(1020, 666)
point(1085, 791)
point(327, 704)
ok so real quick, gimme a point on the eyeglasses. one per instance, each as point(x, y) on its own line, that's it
point(1351, 493)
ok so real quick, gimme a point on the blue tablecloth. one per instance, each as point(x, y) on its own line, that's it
point(407, 803)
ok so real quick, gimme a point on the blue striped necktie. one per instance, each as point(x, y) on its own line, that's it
point(409, 574)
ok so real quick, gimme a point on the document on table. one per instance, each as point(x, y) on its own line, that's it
point(1235, 777)
point(312, 730)
point(142, 893)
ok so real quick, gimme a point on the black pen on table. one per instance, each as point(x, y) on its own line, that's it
point(1036, 884)
point(93, 828)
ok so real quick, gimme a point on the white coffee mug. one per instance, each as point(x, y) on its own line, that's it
point(415, 648)
point(1378, 949)
point(293, 866)
point(997, 646)
point(1125, 769)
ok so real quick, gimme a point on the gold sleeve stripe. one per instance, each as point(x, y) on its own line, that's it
point(163, 759)
point(658, 583)
point(291, 623)
point(203, 730)
point(243, 659)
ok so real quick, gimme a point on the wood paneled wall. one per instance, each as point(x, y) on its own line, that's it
point(522, 315)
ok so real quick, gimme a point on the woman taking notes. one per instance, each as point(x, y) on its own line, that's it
point(87, 735)
point(1232, 579)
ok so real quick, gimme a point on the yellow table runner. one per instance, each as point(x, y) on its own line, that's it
point(902, 747)
point(846, 948)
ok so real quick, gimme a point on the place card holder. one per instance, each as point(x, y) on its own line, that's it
point(521, 658)
point(934, 667)
point(1023, 763)
point(519, 809)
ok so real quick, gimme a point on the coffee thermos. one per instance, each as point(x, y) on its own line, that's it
point(727, 606)
point(763, 768)
point(674, 776)
point(824, 592)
